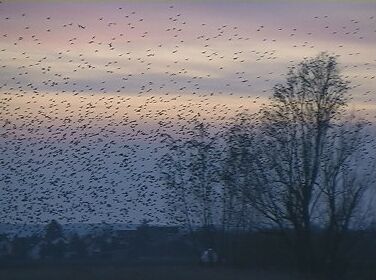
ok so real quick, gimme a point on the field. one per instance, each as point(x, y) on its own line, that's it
point(156, 271)
point(63, 272)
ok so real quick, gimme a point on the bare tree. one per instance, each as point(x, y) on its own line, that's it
point(238, 215)
point(236, 173)
point(346, 176)
point(189, 171)
point(304, 177)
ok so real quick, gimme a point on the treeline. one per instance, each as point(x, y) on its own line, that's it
point(105, 244)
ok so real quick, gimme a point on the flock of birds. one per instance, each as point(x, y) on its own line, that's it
point(84, 101)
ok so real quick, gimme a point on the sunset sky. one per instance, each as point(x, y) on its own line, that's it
point(86, 87)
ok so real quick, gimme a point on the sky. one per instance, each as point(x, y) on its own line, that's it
point(86, 87)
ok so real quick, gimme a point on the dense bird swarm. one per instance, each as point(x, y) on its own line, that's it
point(88, 89)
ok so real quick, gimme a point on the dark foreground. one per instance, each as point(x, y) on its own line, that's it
point(155, 272)
point(150, 272)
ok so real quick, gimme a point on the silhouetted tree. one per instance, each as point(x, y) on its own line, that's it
point(236, 175)
point(305, 176)
point(54, 246)
point(190, 173)
point(53, 231)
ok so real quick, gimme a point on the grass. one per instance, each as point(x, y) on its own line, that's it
point(108, 272)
